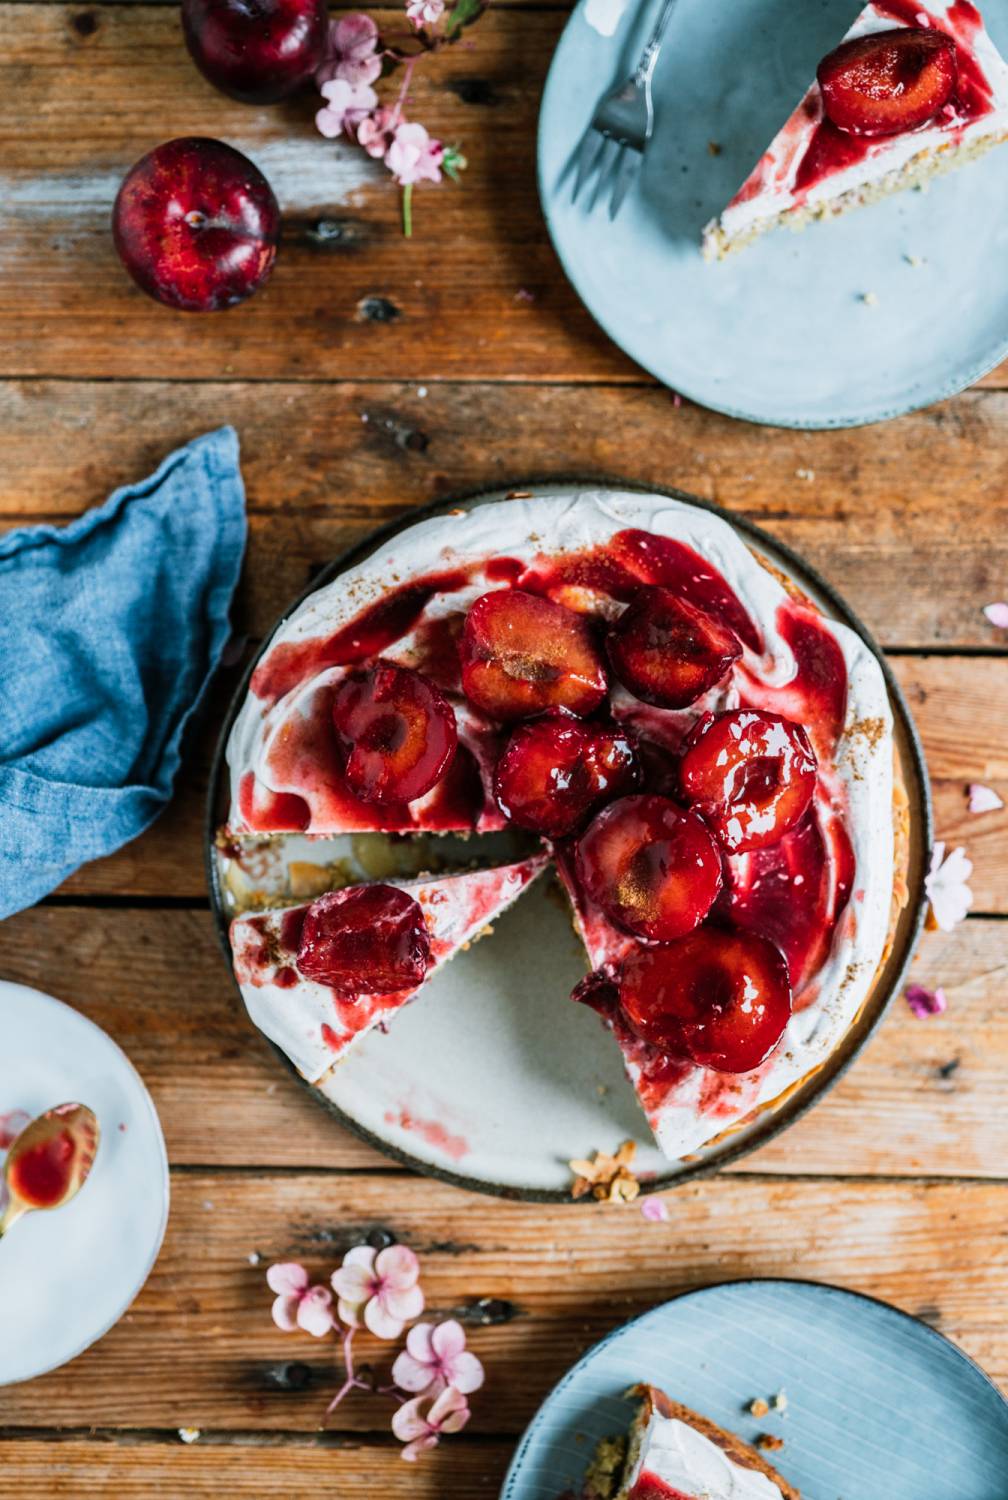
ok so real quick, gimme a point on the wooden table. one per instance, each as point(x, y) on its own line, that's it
point(372, 375)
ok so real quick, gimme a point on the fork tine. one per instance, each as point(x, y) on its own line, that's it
point(625, 175)
point(604, 169)
point(588, 158)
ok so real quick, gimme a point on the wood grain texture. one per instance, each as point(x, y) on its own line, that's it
point(923, 1097)
point(348, 292)
point(247, 1470)
point(909, 520)
point(198, 1347)
point(960, 706)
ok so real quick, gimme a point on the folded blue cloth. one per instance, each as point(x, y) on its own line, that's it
point(109, 630)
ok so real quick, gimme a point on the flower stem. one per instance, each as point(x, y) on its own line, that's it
point(350, 1382)
point(407, 210)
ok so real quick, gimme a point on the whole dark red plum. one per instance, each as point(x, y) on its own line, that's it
point(258, 51)
point(196, 224)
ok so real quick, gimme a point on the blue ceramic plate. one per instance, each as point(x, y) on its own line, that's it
point(878, 1403)
point(780, 332)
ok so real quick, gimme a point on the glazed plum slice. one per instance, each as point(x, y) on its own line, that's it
point(668, 652)
point(890, 81)
point(722, 999)
point(367, 940)
point(652, 867)
point(556, 769)
point(522, 654)
point(750, 774)
point(395, 732)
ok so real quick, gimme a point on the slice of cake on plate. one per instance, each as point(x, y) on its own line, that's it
point(911, 91)
point(317, 978)
point(673, 1453)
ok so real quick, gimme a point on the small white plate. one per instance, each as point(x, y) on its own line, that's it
point(66, 1277)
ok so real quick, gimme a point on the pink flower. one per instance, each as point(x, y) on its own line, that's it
point(945, 884)
point(421, 1422)
point(424, 12)
point(983, 799)
point(436, 1357)
point(380, 1287)
point(376, 131)
point(413, 156)
point(297, 1304)
point(351, 51)
point(924, 1002)
point(656, 1210)
point(347, 105)
point(997, 614)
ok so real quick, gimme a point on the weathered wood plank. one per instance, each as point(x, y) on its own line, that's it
point(925, 1097)
point(198, 1348)
point(354, 297)
point(917, 546)
point(443, 303)
point(960, 704)
point(66, 1469)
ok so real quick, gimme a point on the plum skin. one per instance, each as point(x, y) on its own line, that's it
point(196, 225)
point(257, 51)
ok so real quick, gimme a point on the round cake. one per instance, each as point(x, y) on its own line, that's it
point(706, 758)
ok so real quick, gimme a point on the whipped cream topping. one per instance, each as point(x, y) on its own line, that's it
point(771, 188)
point(860, 780)
point(314, 1027)
point(686, 1460)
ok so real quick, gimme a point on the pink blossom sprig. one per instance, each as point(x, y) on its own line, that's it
point(355, 59)
point(379, 1292)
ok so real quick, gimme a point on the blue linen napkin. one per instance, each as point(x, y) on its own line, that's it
point(109, 631)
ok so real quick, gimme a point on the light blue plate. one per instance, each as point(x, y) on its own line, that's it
point(778, 333)
point(879, 1405)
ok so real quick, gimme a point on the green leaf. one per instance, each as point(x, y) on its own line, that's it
point(453, 162)
point(463, 13)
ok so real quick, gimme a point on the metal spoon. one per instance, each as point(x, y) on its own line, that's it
point(49, 1162)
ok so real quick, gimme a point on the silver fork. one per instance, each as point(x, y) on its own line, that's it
point(614, 143)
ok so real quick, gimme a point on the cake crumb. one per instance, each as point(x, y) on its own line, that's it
point(607, 1178)
point(254, 1258)
point(806, 474)
point(769, 1443)
point(758, 1407)
point(914, 260)
point(870, 299)
point(780, 1401)
point(189, 1434)
point(714, 147)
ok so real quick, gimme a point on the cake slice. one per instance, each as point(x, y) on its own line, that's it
point(912, 90)
point(673, 1453)
point(316, 978)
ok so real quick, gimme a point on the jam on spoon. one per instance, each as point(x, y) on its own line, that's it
point(49, 1162)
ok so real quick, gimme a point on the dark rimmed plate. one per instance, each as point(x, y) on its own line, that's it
point(424, 1094)
point(878, 1403)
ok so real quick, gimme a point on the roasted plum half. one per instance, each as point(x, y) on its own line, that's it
point(395, 732)
point(366, 940)
point(523, 654)
point(555, 770)
point(668, 652)
point(652, 867)
point(721, 999)
point(751, 774)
